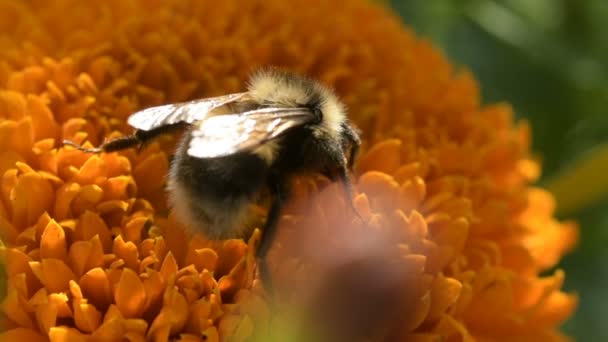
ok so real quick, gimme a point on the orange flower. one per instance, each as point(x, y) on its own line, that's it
point(90, 251)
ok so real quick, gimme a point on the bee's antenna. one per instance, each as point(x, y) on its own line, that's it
point(80, 148)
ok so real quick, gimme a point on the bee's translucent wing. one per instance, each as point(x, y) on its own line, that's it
point(188, 112)
point(223, 135)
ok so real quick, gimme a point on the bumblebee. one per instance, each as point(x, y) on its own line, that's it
point(239, 145)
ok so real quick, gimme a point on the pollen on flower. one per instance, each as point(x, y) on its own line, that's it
point(90, 249)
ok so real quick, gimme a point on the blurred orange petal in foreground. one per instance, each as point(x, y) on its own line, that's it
point(90, 251)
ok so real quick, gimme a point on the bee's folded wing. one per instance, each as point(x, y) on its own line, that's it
point(187, 112)
point(223, 135)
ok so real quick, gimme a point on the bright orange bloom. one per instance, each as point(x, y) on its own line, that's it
point(89, 247)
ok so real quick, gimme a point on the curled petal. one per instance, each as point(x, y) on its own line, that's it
point(25, 211)
point(90, 225)
point(22, 334)
point(235, 280)
point(60, 334)
point(150, 173)
point(95, 287)
point(130, 294)
point(43, 122)
point(444, 293)
point(126, 251)
point(13, 308)
point(53, 273)
point(65, 195)
point(383, 157)
point(85, 255)
point(86, 316)
point(87, 198)
point(92, 172)
point(53, 244)
point(173, 315)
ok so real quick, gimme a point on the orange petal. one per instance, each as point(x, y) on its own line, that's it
point(113, 313)
point(86, 316)
point(27, 210)
point(85, 255)
point(89, 225)
point(60, 301)
point(168, 269)
point(418, 313)
point(191, 338)
point(113, 206)
point(134, 228)
point(412, 191)
point(381, 189)
point(150, 174)
point(8, 159)
point(110, 330)
point(231, 253)
point(130, 294)
point(417, 225)
point(383, 156)
point(117, 165)
point(121, 187)
point(92, 172)
point(202, 259)
point(88, 197)
point(408, 171)
point(17, 136)
point(18, 283)
point(65, 195)
point(16, 262)
point(53, 244)
point(8, 233)
point(200, 311)
point(43, 122)
point(162, 332)
point(27, 238)
point(14, 309)
point(444, 293)
point(211, 335)
point(132, 336)
point(22, 334)
point(9, 180)
point(230, 284)
point(63, 334)
point(46, 315)
point(173, 314)
point(126, 251)
point(137, 325)
point(54, 274)
point(155, 287)
point(208, 282)
point(148, 262)
point(13, 105)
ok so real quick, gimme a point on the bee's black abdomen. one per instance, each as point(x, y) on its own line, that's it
point(212, 195)
point(241, 174)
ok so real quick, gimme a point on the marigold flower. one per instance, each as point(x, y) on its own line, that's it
point(90, 250)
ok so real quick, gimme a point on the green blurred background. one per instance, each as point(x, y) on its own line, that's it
point(549, 59)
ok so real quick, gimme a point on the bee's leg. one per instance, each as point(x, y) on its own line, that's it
point(342, 175)
point(352, 136)
point(354, 152)
point(139, 138)
point(279, 194)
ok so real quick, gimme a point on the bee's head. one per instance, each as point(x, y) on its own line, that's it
point(271, 86)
